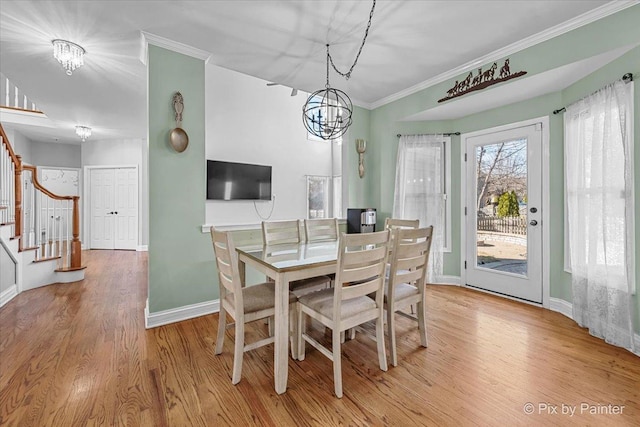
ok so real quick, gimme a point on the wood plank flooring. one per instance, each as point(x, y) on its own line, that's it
point(78, 355)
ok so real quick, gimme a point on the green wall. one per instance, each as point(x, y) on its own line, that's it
point(607, 34)
point(360, 189)
point(181, 270)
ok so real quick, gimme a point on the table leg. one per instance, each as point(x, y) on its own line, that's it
point(242, 271)
point(281, 350)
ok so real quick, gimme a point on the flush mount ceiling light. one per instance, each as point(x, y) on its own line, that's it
point(327, 112)
point(83, 132)
point(68, 54)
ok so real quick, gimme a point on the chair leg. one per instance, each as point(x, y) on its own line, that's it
point(222, 326)
point(293, 332)
point(270, 325)
point(301, 330)
point(422, 323)
point(382, 355)
point(337, 362)
point(391, 333)
point(238, 352)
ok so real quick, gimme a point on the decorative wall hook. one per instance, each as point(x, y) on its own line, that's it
point(361, 147)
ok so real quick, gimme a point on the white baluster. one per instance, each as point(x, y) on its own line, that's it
point(15, 103)
point(25, 102)
point(6, 94)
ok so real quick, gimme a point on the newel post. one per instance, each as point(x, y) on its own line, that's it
point(18, 202)
point(76, 246)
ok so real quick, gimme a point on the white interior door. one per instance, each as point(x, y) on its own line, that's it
point(126, 208)
point(114, 208)
point(102, 203)
point(503, 219)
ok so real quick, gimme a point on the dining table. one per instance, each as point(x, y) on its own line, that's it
point(285, 263)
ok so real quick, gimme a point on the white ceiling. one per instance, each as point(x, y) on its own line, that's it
point(410, 43)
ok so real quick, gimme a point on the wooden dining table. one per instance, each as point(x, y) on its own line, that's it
point(286, 263)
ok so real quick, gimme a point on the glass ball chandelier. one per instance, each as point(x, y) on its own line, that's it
point(327, 113)
point(68, 54)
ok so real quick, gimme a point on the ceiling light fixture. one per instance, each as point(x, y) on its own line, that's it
point(68, 54)
point(327, 112)
point(83, 132)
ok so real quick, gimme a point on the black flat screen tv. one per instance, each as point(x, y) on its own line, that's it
point(238, 181)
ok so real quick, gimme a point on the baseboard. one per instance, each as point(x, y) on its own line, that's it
point(561, 306)
point(8, 295)
point(179, 314)
point(566, 308)
point(448, 280)
point(142, 248)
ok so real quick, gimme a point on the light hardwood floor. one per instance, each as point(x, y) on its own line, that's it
point(78, 354)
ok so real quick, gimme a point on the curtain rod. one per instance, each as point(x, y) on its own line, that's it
point(444, 134)
point(626, 78)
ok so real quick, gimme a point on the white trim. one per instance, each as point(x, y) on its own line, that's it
point(561, 306)
point(8, 295)
point(586, 18)
point(546, 258)
point(152, 320)
point(142, 248)
point(148, 38)
point(566, 308)
point(206, 228)
point(447, 280)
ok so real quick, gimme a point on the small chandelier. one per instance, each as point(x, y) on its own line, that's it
point(83, 132)
point(68, 54)
point(327, 113)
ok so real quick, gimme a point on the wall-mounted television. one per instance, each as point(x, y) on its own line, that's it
point(238, 181)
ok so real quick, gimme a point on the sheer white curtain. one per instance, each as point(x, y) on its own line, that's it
point(419, 191)
point(600, 209)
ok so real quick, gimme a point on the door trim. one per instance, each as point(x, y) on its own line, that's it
point(86, 207)
point(546, 258)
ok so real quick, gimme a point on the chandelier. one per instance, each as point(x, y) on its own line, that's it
point(68, 54)
point(83, 132)
point(327, 113)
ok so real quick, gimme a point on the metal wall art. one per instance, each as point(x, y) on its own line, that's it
point(178, 138)
point(361, 147)
point(482, 79)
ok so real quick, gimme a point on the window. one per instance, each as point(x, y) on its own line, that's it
point(599, 219)
point(324, 196)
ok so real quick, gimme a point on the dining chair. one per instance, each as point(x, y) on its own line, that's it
point(360, 272)
point(244, 304)
point(391, 223)
point(406, 283)
point(318, 230)
point(288, 232)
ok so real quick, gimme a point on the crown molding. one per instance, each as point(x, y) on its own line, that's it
point(570, 25)
point(148, 38)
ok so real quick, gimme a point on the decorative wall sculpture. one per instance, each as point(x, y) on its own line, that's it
point(482, 79)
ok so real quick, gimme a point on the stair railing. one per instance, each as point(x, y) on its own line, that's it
point(10, 186)
point(47, 223)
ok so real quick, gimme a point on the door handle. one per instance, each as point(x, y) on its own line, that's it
point(533, 222)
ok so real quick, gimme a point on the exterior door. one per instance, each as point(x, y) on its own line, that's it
point(503, 219)
point(114, 208)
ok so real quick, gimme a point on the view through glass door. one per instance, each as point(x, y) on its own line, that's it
point(503, 221)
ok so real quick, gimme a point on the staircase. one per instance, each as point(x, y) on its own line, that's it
point(39, 230)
